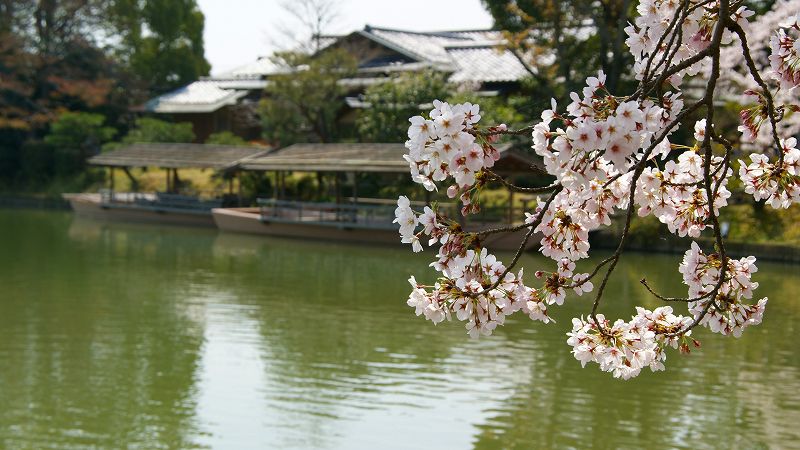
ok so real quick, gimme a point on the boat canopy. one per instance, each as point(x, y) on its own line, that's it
point(362, 157)
point(176, 156)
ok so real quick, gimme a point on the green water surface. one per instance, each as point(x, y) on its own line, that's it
point(144, 337)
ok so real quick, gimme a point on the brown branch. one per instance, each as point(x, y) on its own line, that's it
point(513, 187)
point(522, 246)
point(751, 66)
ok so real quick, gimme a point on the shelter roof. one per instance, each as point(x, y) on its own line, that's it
point(360, 157)
point(176, 156)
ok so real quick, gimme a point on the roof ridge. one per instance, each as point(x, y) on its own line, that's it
point(441, 33)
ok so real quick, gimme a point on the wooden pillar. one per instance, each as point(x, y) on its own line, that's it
point(169, 181)
point(355, 187)
point(320, 186)
point(337, 187)
point(239, 188)
point(176, 181)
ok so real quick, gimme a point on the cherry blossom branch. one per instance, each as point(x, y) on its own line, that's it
point(495, 177)
point(604, 158)
point(751, 67)
point(524, 243)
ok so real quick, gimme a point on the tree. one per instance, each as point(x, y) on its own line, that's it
point(148, 129)
point(311, 20)
point(390, 103)
point(303, 103)
point(225, 138)
point(161, 40)
point(607, 154)
point(563, 42)
point(51, 62)
point(74, 137)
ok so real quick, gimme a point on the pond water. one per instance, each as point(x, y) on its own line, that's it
point(121, 336)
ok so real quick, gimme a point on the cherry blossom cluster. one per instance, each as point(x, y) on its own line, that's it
point(753, 117)
point(676, 194)
point(474, 286)
point(442, 146)
point(590, 157)
point(784, 55)
point(472, 290)
point(651, 30)
point(728, 313)
point(777, 183)
point(603, 134)
point(625, 348)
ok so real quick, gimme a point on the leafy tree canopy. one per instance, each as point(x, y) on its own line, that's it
point(582, 36)
point(303, 104)
point(390, 104)
point(148, 129)
point(74, 137)
point(225, 138)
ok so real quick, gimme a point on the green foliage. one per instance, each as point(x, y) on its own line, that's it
point(303, 104)
point(148, 129)
point(171, 53)
point(225, 138)
point(74, 137)
point(550, 26)
point(391, 104)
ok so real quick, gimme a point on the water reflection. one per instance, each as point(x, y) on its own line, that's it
point(134, 336)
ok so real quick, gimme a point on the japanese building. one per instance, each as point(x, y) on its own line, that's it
point(229, 101)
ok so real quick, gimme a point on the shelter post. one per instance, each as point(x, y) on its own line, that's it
point(176, 182)
point(134, 183)
point(239, 189)
point(355, 187)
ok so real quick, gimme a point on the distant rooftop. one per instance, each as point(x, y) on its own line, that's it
point(469, 56)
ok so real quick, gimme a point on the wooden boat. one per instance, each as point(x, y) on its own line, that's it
point(358, 223)
point(138, 207)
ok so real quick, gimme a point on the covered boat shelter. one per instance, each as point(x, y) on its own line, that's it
point(174, 156)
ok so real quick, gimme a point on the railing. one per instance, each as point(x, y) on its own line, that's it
point(329, 214)
point(158, 201)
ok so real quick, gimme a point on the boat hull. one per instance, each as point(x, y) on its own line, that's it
point(91, 206)
point(248, 220)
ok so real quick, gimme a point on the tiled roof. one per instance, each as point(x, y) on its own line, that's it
point(176, 156)
point(470, 55)
point(263, 66)
point(485, 64)
point(421, 46)
point(200, 96)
